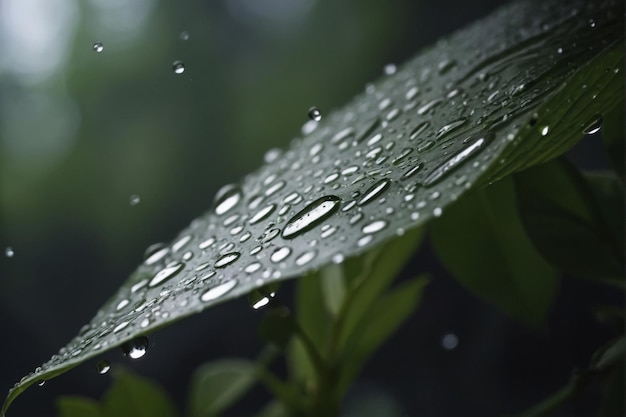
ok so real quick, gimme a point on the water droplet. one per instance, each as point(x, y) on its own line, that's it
point(390, 69)
point(445, 130)
point(275, 187)
point(429, 106)
point(262, 214)
point(456, 160)
point(446, 65)
point(418, 130)
point(437, 211)
point(545, 130)
point(181, 243)
point(134, 199)
point(227, 198)
point(166, 273)
point(207, 243)
point(41, 382)
point(305, 258)
point(98, 47)
point(9, 252)
point(315, 114)
point(122, 304)
point(593, 126)
point(154, 253)
point(310, 216)
point(184, 35)
point(227, 259)
point(413, 170)
point(280, 254)
point(449, 341)
point(374, 191)
point(411, 93)
point(103, 367)
point(374, 227)
point(253, 267)
point(272, 155)
point(218, 291)
point(136, 348)
point(178, 67)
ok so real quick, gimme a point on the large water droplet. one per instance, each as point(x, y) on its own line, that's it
point(315, 114)
point(593, 126)
point(456, 160)
point(227, 259)
point(217, 292)
point(374, 191)
point(227, 198)
point(178, 67)
point(166, 273)
point(311, 216)
point(136, 348)
point(98, 47)
point(103, 367)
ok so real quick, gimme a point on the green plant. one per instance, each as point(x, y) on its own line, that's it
point(461, 141)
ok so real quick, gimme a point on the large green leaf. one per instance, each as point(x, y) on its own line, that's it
point(482, 242)
point(576, 223)
point(508, 92)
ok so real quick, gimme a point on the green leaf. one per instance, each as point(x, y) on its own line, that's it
point(510, 91)
point(610, 355)
point(333, 287)
point(217, 385)
point(481, 241)
point(575, 223)
point(384, 318)
point(277, 327)
point(135, 396)
point(614, 137)
point(78, 407)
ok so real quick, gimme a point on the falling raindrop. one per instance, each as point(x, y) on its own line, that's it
point(98, 47)
point(449, 341)
point(178, 67)
point(9, 252)
point(103, 367)
point(135, 348)
point(184, 35)
point(315, 114)
point(310, 216)
point(593, 126)
point(134, 199)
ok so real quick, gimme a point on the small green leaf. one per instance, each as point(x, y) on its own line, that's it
point(69, 406)
point(274, 409)
point(481, 241)
point(385, 316)
point(575, 223)
point(333, 287)
point(217, 385)
point(135, 396)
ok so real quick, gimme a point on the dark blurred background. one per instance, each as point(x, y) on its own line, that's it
point(104, 153)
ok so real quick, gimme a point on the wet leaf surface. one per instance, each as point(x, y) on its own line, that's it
point(513, 90)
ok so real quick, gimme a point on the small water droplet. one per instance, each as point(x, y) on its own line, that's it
point(227, 198)
point(374, 227)
point(154, 253)
point(280, 254)
point(134, 199)
point(262, 214)
point(103, 367)
point(449, 341)
point(178, 67)
point(429, 106)
point(135, 348)
point(437, 211)
point(374, 191)
point(315, 114)
point(456, 160)
point(545, 130)
point(98, 47)
point(593, 126)
point(305, 258)
point(310, 216)
point(450, 127)
point(218, 291)
point(184, 35)
point(41, 382)
point(181, 243)
point(413, 170)
point(122, 304)
point(272, 155)
point(166, 273)
point(9, 252)
point(390, 69)
point(227, 259)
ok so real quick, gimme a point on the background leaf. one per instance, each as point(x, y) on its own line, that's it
point(78, 407)
point(495, 98)
point(482, 242)
point(575, 223)
point(217, 385)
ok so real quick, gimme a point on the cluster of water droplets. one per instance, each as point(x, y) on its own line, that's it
point(393, 158)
